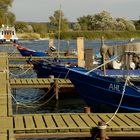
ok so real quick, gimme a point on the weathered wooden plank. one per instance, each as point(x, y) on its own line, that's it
point(69, 121)
point(35, 81)
point(12, 81)
point(3, 136)
point(95, 118)
point(40, 81)
point(88, 120)
point(83, 126)
point(106, 118)
point(3, 110)
point(29, 81)
point(17, 81)
point(18, 122)
point(134, 118)
point(6, 123)
point(24, 81)
point(29, 123)
point(60, 123)
point(118, 121)
point(46, 81)
point(50, 123)
point(127, 120)
point(39, 122)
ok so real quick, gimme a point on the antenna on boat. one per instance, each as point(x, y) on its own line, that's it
point(59, 33)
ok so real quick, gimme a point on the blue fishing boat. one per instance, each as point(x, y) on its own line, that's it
point(105, 90)
point(45, 68)
point(29, 52)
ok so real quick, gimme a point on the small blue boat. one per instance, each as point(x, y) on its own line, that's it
point(28, 52)
point(105, 90)
point(45, 68)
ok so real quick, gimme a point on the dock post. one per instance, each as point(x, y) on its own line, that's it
point(102, 130)
point(87, 109)
point(56, 88)
point(80, 51)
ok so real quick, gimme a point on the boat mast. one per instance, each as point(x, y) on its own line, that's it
point(59, 32)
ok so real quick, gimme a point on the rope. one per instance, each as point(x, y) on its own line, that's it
point(35, 101)
point(123, 92)
point(104, 63)
point(20, 73)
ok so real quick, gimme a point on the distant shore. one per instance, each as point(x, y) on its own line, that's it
point(89, 35)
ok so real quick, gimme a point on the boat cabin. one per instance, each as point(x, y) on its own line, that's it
point(8, 34)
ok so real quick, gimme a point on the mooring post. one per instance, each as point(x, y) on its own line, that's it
point(87, 109)
point(80, 51)
point(56, 88)
point(102, 130)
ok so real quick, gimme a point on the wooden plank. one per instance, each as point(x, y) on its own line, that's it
point(35, 81)
point(106, 118)
point(60, 123)
point(29, 81)
point(40, 81)
point(24, 81)
point(6, 123)
point(12, 81)
point(46, 81)
point(127, 120)
point(50, 124)
point(29, 123)
point(95, 118)
point(40, 124)
point(77, 119)
point(18, 122)
point(3, 136)
point(134, 118)
point(118, 121)
point(88, 120)
point(3, 110)
point(69, 121)
point(17, 81)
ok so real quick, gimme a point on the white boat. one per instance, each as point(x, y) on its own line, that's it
point(8, 34)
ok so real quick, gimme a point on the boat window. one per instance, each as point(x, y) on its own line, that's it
point(2, 32)
point(13, 32)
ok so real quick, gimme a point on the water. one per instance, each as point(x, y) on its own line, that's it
point(28, 96)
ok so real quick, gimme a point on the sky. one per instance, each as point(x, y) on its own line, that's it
point(41, 10)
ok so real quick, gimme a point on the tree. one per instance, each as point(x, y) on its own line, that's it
point(137, 24)
point(104, 21)
point(55, 21)
point(125, 25)
point(7, 17)
point(77, 26)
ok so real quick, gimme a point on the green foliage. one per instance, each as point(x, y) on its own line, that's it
point(99, 34)
point(40, 27)
point(7, 17)
point(21, 27)
point(137, 24)
point(103, 21)
point(58, 20)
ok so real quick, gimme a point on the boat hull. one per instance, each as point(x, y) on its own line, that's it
point(107, 91)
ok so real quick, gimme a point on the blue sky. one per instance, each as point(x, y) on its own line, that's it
point(41, 10)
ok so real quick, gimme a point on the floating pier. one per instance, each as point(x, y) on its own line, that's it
point(57, 125)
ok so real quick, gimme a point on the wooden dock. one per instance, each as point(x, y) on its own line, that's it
point(57, 125)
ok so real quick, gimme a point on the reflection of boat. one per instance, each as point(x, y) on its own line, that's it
point(8, 34)
point(109, 91)
point(28, 52)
